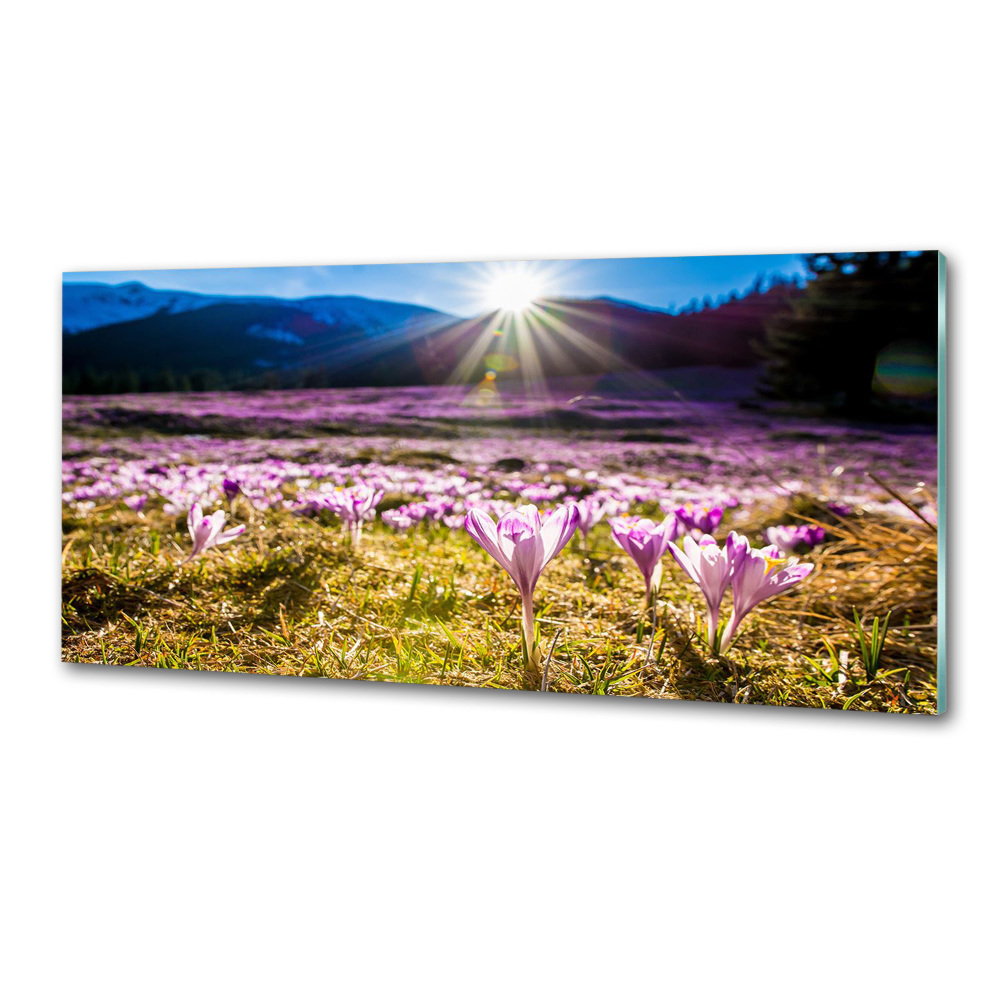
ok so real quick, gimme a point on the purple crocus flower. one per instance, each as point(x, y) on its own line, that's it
point(207, 532)
point(524, 546)
point(794, 537)
point(231, 488)
point(136, 502)
point(812, 535)
point(758, 575)
point(591, 512)
point(646, 542)
point(711, 567)
point(840, 509)
point(398, 519)
point(704, 519)
point(353, 506)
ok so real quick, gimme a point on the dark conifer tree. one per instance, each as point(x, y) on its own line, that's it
point(823, 346)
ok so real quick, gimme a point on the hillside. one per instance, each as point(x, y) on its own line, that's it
point(207, 342)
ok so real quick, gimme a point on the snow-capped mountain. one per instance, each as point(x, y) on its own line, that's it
point(87, 306)
point(356, 311)
point(125, 335)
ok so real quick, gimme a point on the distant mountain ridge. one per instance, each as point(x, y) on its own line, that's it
point(124, 338)
point(89, 305)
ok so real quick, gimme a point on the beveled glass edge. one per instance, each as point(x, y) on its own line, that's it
point(942, 519)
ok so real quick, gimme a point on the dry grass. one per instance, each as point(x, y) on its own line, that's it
point(430, 607)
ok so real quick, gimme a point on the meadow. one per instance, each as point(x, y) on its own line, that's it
point(409, 595)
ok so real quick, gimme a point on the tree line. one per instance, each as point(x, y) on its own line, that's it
point(858, 311)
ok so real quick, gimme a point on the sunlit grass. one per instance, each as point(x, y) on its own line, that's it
point(428, 606)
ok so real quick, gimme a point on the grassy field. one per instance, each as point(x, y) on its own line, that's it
point(291, 596)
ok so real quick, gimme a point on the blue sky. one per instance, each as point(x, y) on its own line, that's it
point(465, 289)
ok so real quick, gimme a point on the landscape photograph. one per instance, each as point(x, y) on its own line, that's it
point(681, 478)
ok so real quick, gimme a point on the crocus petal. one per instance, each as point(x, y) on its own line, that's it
point(194, 517)
point(218, 520)
point(645, 541)
point(481, 526)
point(527, 558)
point(515, 525)
point(789, 577)
point(204, 533)
point(692, 547)
point(682, 560)
point(228, 536)
point(558, 530)
point(737, 548)
point(672, 527)
point(758, 579)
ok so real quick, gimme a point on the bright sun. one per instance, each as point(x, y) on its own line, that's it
point(513, 290)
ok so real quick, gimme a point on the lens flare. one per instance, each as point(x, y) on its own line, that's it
point(906, 369)
point(500, 362)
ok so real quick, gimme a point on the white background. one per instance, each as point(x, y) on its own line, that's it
point(210, 836)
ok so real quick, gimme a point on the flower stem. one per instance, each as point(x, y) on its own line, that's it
point(652, 630)
point(729, 634)
point(531, 672)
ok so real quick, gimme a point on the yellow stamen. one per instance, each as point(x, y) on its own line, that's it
point(773, 564)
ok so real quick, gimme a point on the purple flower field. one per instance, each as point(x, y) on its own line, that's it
point(858, 498)
point(632, 448)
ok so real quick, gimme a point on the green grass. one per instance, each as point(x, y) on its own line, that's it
point(430, 607)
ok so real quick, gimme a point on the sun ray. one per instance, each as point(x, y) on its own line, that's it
point(465, 369)
point(536, 333)
point(531, 366)
point(607, 359)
